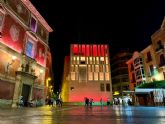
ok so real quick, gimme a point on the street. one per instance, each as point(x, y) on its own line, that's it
point(81, 115)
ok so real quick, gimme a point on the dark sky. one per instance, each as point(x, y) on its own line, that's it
point(121, 24)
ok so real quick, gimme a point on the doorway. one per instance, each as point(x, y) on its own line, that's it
point(25, 93)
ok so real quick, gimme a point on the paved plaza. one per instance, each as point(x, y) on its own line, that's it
point(82, 115)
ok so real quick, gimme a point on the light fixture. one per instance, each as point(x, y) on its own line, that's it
point(10, 63)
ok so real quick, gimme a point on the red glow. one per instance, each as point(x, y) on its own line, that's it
point(87, 50)
point(102, 50)
point(79, 96)
point(90, 50)
point(75, 49)
point(40, 54)
point(13, 34)
point(79, 49)
point(83, 50)
point(106, 50)
point(94, 50)
point(98, 50)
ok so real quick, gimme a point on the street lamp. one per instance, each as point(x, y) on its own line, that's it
point(47, 81)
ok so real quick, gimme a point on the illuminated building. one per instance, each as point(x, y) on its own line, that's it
point(23, 50)
point(89, 73)
point(119, 68)
point(149, 64)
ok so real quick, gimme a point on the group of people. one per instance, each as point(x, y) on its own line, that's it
point(54, 100)
point(88, 101)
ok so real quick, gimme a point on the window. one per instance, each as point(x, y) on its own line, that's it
point(82, 62)
point(107, 76)
point(29, 49)
point(102, 87)
point(151, 70)
point(107, 87)
point(90, 76)
point(33, 24)
point(101, 76)
point(162, 60)
point(95, 76)
point(71, 88)
point(149, 58)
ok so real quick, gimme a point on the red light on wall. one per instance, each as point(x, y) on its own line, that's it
point(106, 50)
point(79, 50)
point(87, 50)
point(102, 50)
point(75, 49)
point(83, 50)
point(94, 50)
point(98, 51)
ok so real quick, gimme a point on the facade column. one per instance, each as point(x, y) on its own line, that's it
point(17, 91)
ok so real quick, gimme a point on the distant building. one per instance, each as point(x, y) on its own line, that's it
point(149, 64)
point(89, 73)
point(119, 72)
point(24, 52)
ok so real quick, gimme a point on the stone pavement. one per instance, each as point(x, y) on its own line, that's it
point(81, 115)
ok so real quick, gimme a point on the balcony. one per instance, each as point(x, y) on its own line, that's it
point(148, 60)
point(162, 64)
point(159, 49)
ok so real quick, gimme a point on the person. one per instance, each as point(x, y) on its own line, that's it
point(20, 102)
point(86, 101)
point(90, 102)
point(108, 101)
point(101, 102)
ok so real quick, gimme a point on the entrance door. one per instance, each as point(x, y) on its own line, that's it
point(25, 93)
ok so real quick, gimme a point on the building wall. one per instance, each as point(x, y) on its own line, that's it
point(89, 66)
point(23, 50)
point(119, 68)
point(153, 64)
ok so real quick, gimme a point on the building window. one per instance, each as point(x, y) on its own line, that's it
point(73, 76)
point(102, 87)
point(149, 58)
point(30, 48)
point(33, 24)
point(107, 87)
point(107, 68)
point(71, 88)
point(90, 60)
point(89, 68)
point(90, 76)
point(162, 60)
point(106, 60)
point(101, 76)
point(96, 68)
point(95, 76)
point(107, 76)
point(132, 68)
point(151, 70)
point(101, 68)
point(97, 60)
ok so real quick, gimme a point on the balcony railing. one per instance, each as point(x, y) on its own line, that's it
point(162, 64)
point(159, 48)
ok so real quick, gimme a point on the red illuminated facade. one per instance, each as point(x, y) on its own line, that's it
point(89, 73)
point(25, 55)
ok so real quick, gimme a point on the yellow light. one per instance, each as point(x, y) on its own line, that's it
point(14, 57)
point(116, 93)
point(47, 81)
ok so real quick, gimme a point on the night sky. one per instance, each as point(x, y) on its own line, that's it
point(121, 24)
